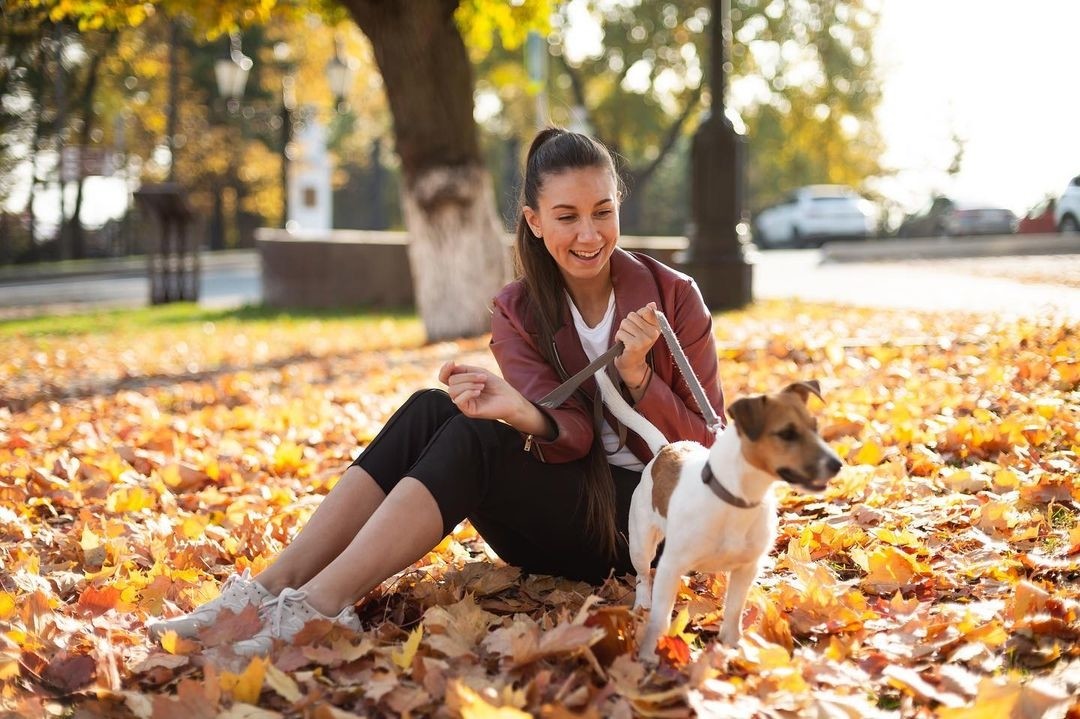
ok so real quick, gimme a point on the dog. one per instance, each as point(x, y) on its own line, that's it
point(713, 506)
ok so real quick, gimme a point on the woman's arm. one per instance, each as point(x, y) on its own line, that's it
point(569, 432)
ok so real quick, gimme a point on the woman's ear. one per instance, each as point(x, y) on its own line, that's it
point(533, 220)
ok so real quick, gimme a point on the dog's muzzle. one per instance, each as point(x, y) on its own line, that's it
point(820, 479)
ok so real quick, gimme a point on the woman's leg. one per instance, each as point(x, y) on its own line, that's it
point(327, 533)
point(477, 469)
point(402, 530)
point(362, 489)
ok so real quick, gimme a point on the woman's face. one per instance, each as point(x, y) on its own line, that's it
point(577, 217)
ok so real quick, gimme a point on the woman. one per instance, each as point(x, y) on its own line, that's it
point(548, 489)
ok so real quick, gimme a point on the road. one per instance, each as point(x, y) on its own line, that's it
point(224, 283)
point(978, 285)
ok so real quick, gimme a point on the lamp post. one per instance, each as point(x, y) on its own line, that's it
point(283, 58)
point(719, 239)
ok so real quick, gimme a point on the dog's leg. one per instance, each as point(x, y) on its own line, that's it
point(738, 588)
point(666, 586)
point(642, 550)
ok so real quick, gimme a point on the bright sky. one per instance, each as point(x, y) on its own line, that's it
point(1000, 74)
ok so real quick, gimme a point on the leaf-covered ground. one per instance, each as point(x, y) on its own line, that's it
point(937, 576)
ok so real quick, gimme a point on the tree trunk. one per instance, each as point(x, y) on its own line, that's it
point(456, 250)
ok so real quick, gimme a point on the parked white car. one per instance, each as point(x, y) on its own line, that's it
point(1067, 208)
point(810, 215)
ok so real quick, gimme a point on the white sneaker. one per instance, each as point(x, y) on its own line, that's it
point(284, 616)
point(237, 593)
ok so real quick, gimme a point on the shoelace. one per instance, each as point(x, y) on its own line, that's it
point(234, 580)
point(274, 609)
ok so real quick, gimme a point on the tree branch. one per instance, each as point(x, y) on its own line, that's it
point(642, 175)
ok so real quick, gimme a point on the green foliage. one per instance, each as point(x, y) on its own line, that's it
point(802, 77)
point(807, 90)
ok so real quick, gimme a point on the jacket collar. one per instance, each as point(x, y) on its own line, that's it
point(634, 285)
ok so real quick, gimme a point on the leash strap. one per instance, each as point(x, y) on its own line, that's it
point(560, 394)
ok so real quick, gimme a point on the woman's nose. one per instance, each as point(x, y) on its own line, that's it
point(588, 230)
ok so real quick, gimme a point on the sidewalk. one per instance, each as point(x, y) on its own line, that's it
point(1031, 286)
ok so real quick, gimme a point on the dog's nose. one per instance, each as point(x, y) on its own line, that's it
point(833, 465)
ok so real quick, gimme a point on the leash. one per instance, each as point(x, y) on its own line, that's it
point(561, 393)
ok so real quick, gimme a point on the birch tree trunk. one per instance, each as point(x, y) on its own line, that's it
point(456, 250)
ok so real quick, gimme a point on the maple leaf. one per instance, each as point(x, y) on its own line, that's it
point(68, 673)
point(247, 685)
point(403, 657)
point(673, 651)
point(471, 705)
point(231, 626)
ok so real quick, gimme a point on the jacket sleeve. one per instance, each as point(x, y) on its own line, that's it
point(673, 408)
point(524, 367)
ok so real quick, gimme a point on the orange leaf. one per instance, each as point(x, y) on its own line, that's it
point(673, 651)
point(97, 600)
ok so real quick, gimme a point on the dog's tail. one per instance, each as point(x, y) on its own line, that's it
point(627, 414)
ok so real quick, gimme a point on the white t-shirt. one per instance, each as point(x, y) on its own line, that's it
point(594, 340)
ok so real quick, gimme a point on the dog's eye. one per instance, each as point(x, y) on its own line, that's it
point(788, 434)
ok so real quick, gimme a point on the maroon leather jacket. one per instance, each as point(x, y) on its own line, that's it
point(667, 403)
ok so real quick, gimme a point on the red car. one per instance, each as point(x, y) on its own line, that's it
point(1039, 219)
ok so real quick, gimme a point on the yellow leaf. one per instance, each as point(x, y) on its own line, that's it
point(288, 457)
point(7, 605)
point(678, 627)
point(993, 702)
point(173, 643)
point(247, 685)
point(869, 453)
point(473, 706)
point(282, 683)
point(403, 657)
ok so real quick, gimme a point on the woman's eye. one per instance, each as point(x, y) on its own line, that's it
point(566, 218)
point(603, 213)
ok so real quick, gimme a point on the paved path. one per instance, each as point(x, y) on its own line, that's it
point(1025, 286)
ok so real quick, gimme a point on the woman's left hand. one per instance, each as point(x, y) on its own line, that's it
point(638, 333)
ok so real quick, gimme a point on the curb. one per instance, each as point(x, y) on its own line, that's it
point(935, 247)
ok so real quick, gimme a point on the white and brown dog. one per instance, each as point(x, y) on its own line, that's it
point(713, 507)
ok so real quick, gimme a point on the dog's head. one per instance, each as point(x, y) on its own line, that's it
point(779, 436)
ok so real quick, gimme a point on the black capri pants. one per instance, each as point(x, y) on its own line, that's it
point(531, 513)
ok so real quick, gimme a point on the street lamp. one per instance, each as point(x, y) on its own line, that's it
point(231, 73)
point(339, 74)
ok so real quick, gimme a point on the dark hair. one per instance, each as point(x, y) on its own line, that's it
point(555, 150)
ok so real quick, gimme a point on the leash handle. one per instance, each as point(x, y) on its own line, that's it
point(692, 381)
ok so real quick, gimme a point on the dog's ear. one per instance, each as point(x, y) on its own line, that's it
point(805, 389)
point(749, 416)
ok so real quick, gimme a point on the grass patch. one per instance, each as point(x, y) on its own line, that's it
point(180, 313)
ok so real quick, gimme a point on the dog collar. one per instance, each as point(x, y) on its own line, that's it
point(720, 491)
